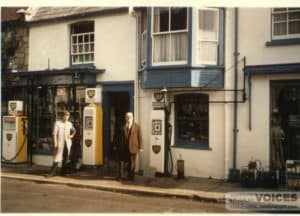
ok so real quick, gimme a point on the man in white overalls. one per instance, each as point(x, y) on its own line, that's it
point(63, 133)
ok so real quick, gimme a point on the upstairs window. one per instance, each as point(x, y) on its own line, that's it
point(143, 38)
point(170, 35)
point(82, 43)
point(208, 36)
point(285, 23)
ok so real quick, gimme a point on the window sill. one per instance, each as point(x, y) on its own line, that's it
point(192, 147)
point(283, 42)
point(78, 66)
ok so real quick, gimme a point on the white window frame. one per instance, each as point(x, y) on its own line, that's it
point(287, 35)
point(166, 33)
point(144, 47)
point(198, 37)
point(83, 48)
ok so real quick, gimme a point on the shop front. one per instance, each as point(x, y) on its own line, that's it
point(46, 94)
point(285, 122)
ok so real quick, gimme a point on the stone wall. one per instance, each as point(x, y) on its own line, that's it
point(15, 46)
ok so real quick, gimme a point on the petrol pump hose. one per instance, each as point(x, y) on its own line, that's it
point(20, 149)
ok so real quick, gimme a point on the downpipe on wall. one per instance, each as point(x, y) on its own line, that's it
point(234, 173)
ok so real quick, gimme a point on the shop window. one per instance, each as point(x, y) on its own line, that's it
point(49, 105)
point(208, 34)
point(192, 120)
point(82, 43)
point(285, 122)
point(170, 35)
point(43, 118)
point(285, 23)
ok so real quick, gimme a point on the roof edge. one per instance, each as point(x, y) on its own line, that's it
point(81, 15)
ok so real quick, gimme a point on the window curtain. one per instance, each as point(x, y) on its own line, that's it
point(179, 46)
point(207, 45)
point(161, 51)
point(170, 47)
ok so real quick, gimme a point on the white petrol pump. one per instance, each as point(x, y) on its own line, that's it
point(157, 141)
point(92, 128)
point(157, 136)
point(14, 134)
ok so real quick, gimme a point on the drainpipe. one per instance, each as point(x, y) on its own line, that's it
point(235, 108)
point(136, 15)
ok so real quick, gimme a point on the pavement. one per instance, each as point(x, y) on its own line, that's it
point(201, 189)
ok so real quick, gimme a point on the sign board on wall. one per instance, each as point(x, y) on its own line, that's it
point(93, 95)
point(15, 108)
point(158, 100)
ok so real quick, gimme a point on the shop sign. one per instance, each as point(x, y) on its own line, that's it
point(15, 107)
point(93, 95)
point(158, 101)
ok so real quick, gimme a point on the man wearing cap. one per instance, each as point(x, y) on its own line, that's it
point(63, 133)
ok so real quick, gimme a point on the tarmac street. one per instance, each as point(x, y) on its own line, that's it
point(25, 196)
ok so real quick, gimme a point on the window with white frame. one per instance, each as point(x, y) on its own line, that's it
point(143, 38)
point(170, 35)
point(285, 23)
point(82, 43)
point(207, 36)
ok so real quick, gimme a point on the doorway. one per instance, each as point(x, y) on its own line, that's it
point(285, 122)
point(119, 105)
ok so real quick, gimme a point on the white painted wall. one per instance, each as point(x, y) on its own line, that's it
point(49, 42)
point(254, 32)
point(256, 143)
point(198, 163)
point(206, 163)
point(115, 51)
point(115, 46)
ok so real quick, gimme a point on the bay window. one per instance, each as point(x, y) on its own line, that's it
point(285, 23)
point(208, 34)
point(170, 35)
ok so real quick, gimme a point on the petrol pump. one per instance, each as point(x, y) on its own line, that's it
point(157, 141)
point(160, 140)
point(92, 128)
point(14, 137)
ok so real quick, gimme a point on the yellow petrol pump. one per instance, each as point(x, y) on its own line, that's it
point(92, 129)
point(14, 137)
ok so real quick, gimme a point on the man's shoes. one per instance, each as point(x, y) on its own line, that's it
point(131, 175)
point(49, 175)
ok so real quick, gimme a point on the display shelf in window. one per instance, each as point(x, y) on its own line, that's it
point(293, 173)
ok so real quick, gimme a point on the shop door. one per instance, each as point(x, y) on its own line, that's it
point(285, 122)
point(119, 105)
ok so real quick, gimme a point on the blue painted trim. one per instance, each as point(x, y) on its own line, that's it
point(149, 38)
point(221, 48)
point(113, 86)
point(184, 77)
point(106, 122)
point(83, 66)
point(283, 42)
point(273, 69)
point(190, 35)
